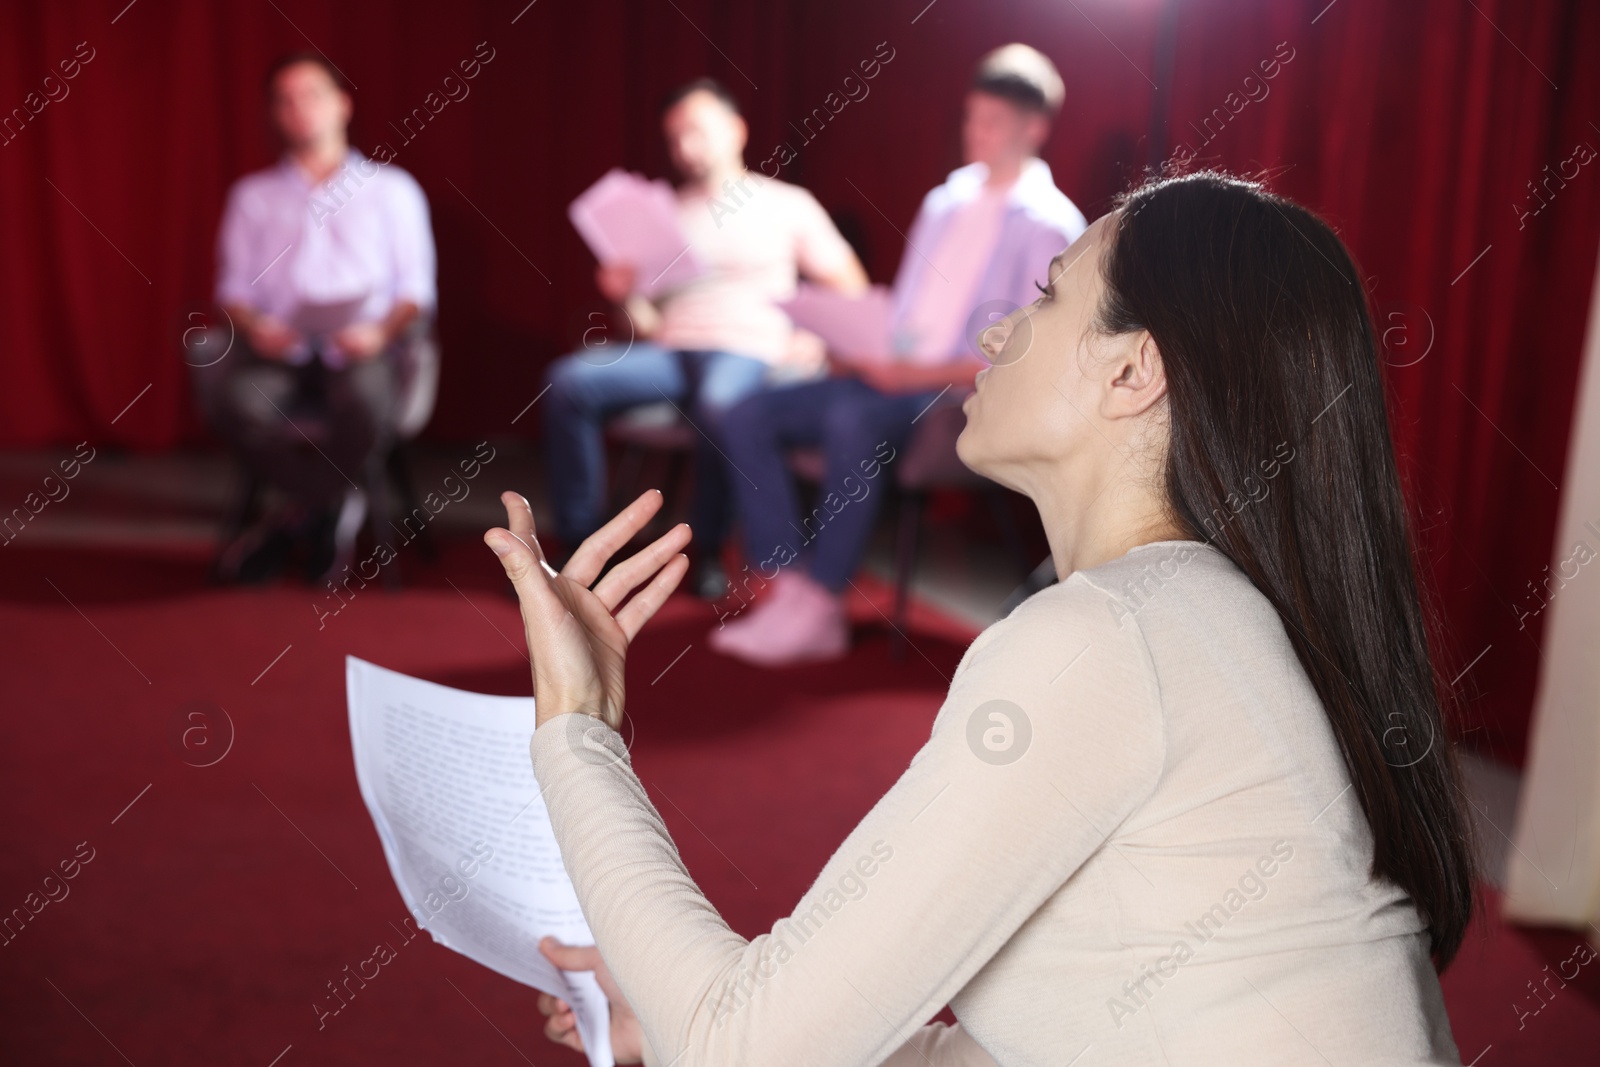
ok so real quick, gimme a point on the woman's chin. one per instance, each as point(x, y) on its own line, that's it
point(967, 452)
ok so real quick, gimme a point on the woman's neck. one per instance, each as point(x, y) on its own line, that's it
point(1096, 523)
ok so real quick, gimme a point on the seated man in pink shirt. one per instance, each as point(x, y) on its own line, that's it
point(706, 344)
point(982, 239)
point(325, 267)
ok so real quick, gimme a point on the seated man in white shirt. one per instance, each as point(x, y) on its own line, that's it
point(326, 269)
point(979, 246)
point(706, 344)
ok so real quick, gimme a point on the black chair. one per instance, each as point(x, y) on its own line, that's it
point(646, 433)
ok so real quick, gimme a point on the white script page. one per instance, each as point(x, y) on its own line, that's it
point(854, 327)
point(447, 777)
point(625, 219)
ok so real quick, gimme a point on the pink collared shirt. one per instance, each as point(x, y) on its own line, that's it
point(286, 241)
point(755, 239)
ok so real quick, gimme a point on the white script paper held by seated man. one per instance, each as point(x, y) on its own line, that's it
point(859, 328)
point(628, 219)
point(447, 778)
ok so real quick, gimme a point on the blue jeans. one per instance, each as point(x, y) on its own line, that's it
point(860, 431)
point(587, 388)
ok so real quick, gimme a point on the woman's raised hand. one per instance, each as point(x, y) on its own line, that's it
point(577, 638)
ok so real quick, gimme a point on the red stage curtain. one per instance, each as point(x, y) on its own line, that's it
point(1416, 128)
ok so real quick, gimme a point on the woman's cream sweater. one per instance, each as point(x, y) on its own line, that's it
point(1129, 839)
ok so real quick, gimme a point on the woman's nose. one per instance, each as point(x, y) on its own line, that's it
point(992, 338)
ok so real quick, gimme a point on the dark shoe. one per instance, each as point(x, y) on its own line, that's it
point(260, 555)
point(710, 580)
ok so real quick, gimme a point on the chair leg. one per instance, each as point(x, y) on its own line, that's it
point(625, 482)
point(399, 471)
point(380, 510)
point(679, 480)
point(909, 533)
point(237, 521)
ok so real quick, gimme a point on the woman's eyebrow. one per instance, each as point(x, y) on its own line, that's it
point(1056, 275)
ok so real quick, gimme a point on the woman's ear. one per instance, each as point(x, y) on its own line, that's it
point(1138, 378)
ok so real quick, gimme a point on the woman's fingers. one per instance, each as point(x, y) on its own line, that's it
point(519, 518)
point(569, 957)
point(651, 597)
point(584, 566)
point(523, 561)
point(564, 1031)
point(519, 524)
point(561, 1024)
point(526, 572)
point(621, 579)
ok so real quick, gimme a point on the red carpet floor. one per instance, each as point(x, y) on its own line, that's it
point(220, 899)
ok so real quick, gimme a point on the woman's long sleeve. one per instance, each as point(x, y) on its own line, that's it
point(1050, 736)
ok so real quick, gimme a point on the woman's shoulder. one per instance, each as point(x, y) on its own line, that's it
point(1097, 619)
point(1160, 582)
point(1061, 636)
point(1068, 672)
point(1112, 594)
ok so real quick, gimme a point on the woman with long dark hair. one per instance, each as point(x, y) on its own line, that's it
point(1193, 804)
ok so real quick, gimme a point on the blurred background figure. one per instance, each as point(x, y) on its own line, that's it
point(976, 251)
point(707, 344)
point(325, 265)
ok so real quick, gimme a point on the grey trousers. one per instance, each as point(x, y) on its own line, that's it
point(309, 430)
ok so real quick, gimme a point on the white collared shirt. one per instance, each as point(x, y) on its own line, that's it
point(285, 241)
point(1035, 221)
point(936, 313)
